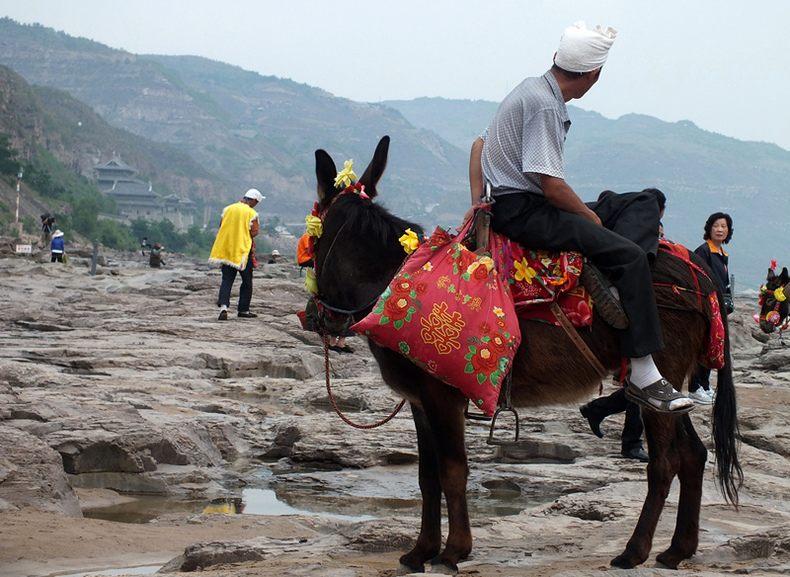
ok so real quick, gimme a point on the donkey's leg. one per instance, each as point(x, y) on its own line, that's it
point(429, 541)
point(693, 456)
point(443, 469)
point(447, 419)
point(660, 431)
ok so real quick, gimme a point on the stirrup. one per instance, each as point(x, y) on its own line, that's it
point(506, 407)
point(609, 307)
point(491, 439)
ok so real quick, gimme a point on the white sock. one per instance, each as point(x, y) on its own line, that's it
point(223, 308)
point(644, 371)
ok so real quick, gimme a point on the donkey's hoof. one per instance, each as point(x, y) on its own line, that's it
point(669, 560)
point(406, 568)
point(624, 561)
point(444, 567)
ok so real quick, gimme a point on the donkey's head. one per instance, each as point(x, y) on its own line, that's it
point(773, 300)
point(326, 174)
point(358, 251)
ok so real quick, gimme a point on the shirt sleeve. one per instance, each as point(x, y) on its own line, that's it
point(542, 144)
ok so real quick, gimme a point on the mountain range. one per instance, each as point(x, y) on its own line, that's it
point(210, 130)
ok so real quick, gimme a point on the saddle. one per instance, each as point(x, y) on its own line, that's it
point(542, 280)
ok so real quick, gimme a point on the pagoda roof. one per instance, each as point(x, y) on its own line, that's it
point(138, 189)
point(115, 164)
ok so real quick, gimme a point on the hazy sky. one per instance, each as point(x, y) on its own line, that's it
point(719, 63)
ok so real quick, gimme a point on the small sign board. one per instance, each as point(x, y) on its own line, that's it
point(24, 249)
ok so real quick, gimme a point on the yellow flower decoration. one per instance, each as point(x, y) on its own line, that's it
point(499, 312)
point(310, 283)
point(346, 176)
point(779, 294)
point(409, 241)
point(314, 226)
point(524, 271)
point(488, 262)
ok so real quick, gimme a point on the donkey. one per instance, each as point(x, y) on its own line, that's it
point(357, 256)
point(774, 306)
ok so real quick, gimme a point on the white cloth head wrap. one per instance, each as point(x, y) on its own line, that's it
point(583, 50)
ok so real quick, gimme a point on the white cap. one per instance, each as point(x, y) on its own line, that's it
point(253, 194)
point(275, 252)
point(583, 50)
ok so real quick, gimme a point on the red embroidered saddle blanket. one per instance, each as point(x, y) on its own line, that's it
point(538, 278)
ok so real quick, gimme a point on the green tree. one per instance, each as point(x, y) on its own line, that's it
point(85, 213)
point(39, 180)
point(115, 235)
point(140, 228)
point(270, 225)
point(9, 165)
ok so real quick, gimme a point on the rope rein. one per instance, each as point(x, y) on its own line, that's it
point(334, 404)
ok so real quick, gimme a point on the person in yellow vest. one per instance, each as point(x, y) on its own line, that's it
point(234, 251)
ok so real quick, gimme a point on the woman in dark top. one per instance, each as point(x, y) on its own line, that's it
point(718, 232)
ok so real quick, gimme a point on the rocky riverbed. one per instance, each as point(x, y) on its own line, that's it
point(122, 397)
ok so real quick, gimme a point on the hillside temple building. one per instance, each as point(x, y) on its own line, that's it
point(137, 199)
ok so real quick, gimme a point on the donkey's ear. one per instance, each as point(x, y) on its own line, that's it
point(325, 173)
point(784, 276)
point(376, 167)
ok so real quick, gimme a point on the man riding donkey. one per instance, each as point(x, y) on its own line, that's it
point(521, 155)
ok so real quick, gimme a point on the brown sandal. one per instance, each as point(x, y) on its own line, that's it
point(661, 391)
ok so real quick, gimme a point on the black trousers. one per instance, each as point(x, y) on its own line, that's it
point(620, 249)
point(617, 402)
point(700, 378)
point(245, 290)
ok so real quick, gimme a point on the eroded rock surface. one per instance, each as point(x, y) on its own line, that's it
point(126, 381)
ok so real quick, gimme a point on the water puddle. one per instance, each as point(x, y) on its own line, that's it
point(143, 570)
point(356, 495)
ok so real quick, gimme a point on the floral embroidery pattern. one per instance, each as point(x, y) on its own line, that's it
point(449, 312)
point(397, 305)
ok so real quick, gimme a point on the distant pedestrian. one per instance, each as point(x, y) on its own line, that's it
point(273, 258)
point(304, 253)
point(57, 247)
point(155, 259)
point(47, 224)
point(143, 245)
point(234, 251)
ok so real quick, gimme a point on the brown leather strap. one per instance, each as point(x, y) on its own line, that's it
point(577, 340)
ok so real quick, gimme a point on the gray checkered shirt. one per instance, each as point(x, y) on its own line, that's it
point(526, 137)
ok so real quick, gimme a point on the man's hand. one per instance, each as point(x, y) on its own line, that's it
point(560, 195)
point(467, 217)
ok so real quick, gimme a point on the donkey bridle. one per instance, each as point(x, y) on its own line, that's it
point(766, 292)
